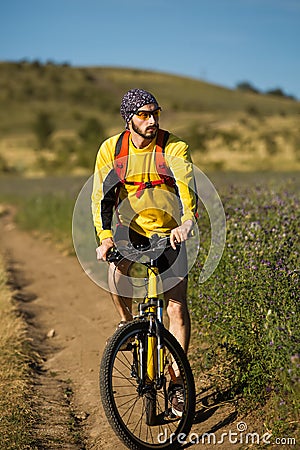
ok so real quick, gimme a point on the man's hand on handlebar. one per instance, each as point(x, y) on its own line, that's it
point(178, 235)
point(103, 248)
point(181, 233)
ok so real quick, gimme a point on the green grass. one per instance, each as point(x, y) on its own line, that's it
point(16, 409)
point(44, 205)
point(50, 214)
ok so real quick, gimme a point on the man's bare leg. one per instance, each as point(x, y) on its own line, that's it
point(178, 313)
point(179, 318)
point(117, 282)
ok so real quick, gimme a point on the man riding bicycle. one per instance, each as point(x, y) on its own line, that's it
point(147, 202)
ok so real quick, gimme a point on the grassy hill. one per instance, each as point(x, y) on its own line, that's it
point(53, 118)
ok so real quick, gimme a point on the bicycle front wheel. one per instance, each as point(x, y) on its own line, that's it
point(141, 413)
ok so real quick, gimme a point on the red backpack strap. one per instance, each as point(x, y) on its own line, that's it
point(121, 155)
point(121, 162)
point(161, 166)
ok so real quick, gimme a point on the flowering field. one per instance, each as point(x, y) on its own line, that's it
point(248, 310)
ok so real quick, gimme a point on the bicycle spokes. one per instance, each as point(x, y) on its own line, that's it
point(133, 393)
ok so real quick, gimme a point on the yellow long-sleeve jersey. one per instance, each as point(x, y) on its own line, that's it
point(159, 208)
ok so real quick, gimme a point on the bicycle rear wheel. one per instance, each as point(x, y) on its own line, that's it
point(141, 415)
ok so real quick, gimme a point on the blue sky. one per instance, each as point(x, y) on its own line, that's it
point(219, 41)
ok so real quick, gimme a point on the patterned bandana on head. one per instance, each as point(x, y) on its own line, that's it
point(133, 100)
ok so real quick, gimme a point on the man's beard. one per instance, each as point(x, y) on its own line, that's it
point(145, 135)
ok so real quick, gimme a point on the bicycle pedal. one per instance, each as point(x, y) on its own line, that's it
point(169, 415)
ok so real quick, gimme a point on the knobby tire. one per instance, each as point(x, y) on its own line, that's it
point(121, 401)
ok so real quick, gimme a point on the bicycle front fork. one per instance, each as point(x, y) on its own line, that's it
point(150, 352)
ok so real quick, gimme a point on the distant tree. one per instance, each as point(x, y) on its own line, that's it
point(92, 130)
point(90, 77)
point(252, 110)
point(3, 165)
point(43, 128)
point(28, 89)
point(49, 62)
point(36, 63)
point(279, 93)
point(38, 66)
point(91, 133)
point(246, 87)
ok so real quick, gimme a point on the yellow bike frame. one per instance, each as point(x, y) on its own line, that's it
point(155, 352)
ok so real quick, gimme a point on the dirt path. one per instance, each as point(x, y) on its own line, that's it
point(56, 294)
point(77, 310)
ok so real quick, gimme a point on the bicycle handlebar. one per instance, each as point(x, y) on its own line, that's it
point(156, 246)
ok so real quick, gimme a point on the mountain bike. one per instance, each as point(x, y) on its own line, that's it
point(142, 361)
